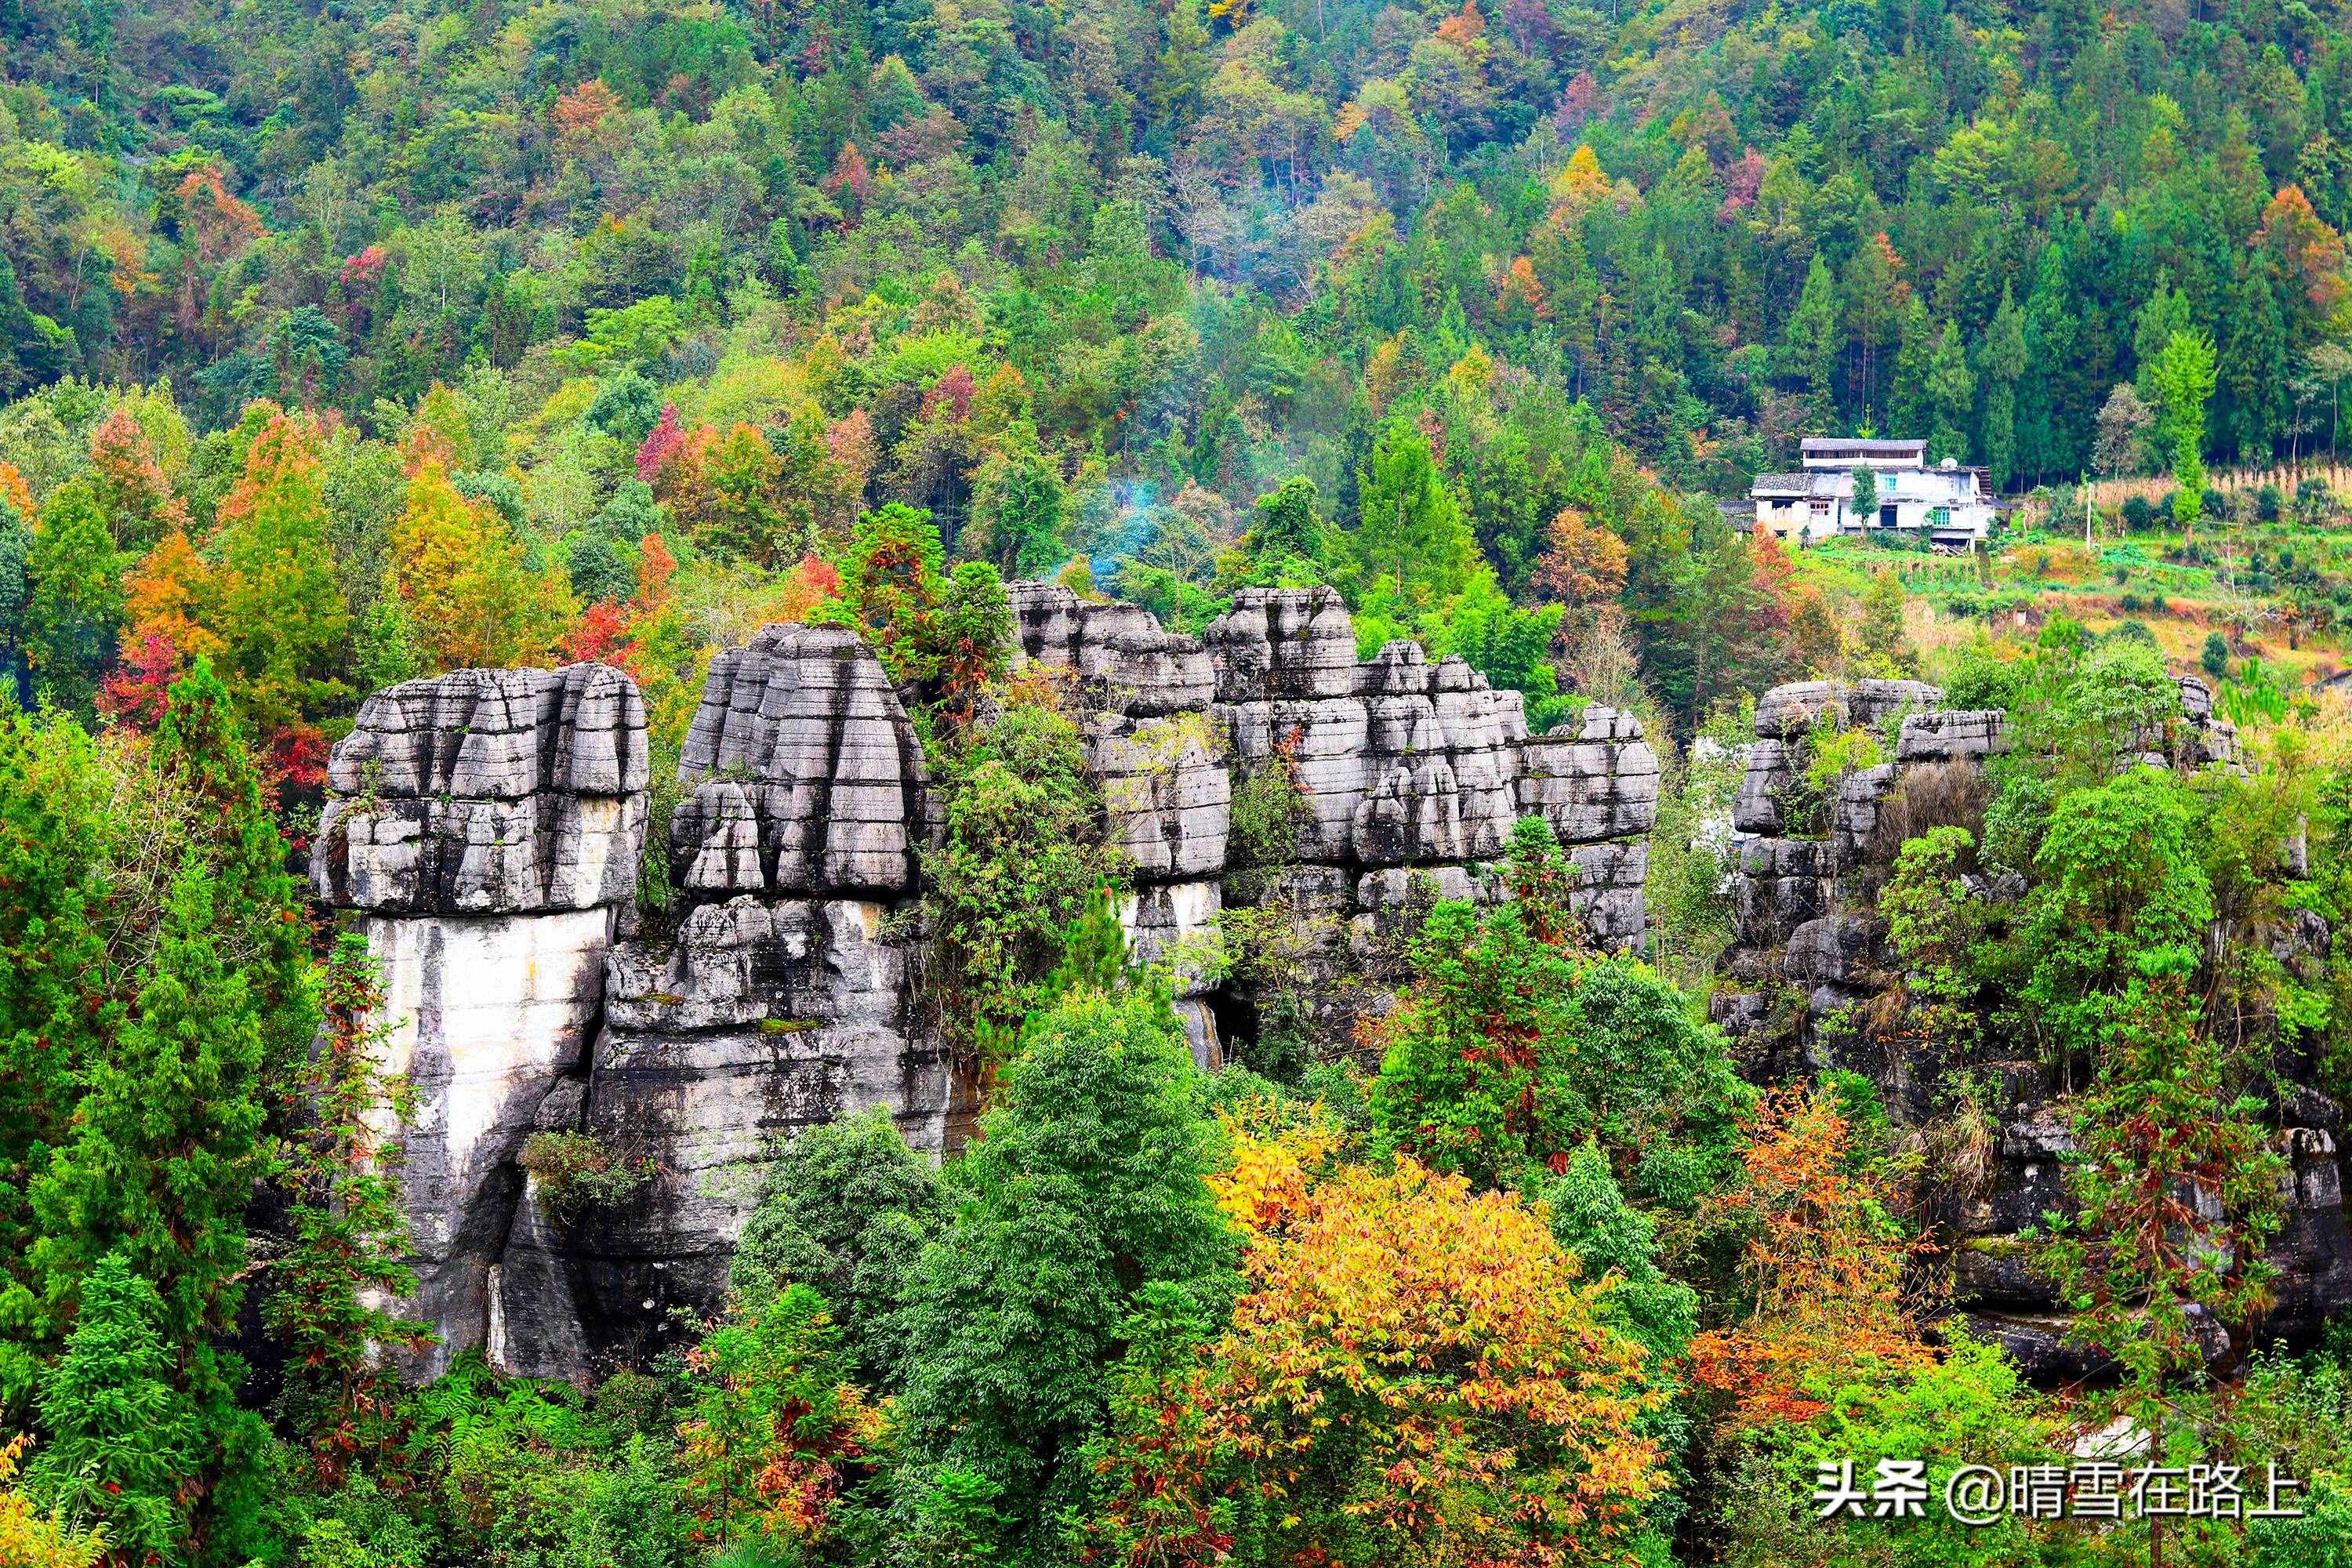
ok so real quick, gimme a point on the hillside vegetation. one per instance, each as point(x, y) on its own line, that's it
point(342, 344)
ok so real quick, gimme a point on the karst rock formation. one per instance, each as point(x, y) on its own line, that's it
point(486, 826)
point(1811, 984)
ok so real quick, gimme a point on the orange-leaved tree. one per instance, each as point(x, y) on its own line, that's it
point(1417, 1375)
point(1822, 1268)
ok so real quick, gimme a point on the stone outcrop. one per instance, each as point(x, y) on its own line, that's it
point(1810, 983)
point(486, 827)
point(806, 773)
point(1410, 772)
point(490, 825)
point(487, 830)
point(781, 997)
point(488, 792)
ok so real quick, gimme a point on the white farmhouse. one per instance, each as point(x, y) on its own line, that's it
point(1951, 504)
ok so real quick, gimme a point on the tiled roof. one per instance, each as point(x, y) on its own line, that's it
point(1779, 484)
point(1855, 444)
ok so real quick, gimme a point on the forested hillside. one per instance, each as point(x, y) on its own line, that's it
point(1974, 1094)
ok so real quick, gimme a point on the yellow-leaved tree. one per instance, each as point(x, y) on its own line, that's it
point(472, 597)
point(1416, 1374)
point(32, 1539)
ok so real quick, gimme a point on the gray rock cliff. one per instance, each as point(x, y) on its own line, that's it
point(1810, 983)
point(488, 828)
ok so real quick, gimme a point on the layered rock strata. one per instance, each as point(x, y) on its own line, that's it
point(489, 828)
point(486, 827)
point(1810, 983)
point(1407, 772)
point(781, 996)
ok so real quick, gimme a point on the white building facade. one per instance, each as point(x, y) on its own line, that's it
point(1951, 505)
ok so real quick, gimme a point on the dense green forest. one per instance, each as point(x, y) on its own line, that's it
point(345, 343)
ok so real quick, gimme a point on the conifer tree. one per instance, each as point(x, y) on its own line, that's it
point(2003, 364)
point(122, 1442)
point(1911, 410)
point(1951, 395)
point(1812, 341)
point(1410, 541)
point(2253, 368)
point(52, 955)
point(202, 748)
point(349, 1234)
point(157, 1171)
point(2163, 317)
point(165, 1145)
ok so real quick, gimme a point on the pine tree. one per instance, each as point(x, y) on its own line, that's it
point(1411, 540)
point(2253, 372)
point(2054, 402)
point(52, 958)
point(123, 1443)
point(1813, 338)
point(166, 1142)
point(202, 748)
point(2164, 317)
point(157, 1169)
point(1875, 297)
point(1913, 413)
point(1951, 394)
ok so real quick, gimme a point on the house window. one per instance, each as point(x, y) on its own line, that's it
point(1939, 516)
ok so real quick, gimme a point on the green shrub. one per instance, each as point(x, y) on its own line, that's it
point(574, 1173)
point(848, 1209)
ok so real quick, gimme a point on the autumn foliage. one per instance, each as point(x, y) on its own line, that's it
point(1416, 1374)
point(1822, 1268)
